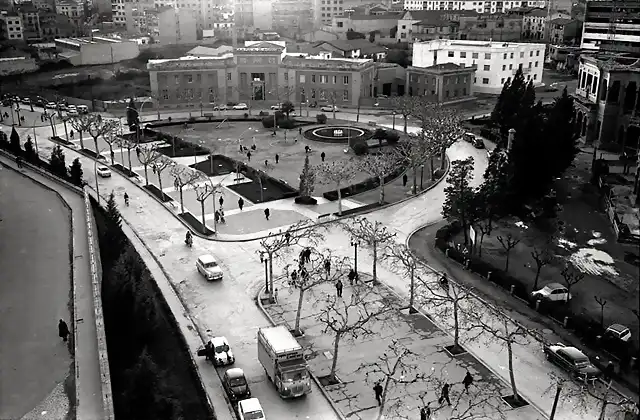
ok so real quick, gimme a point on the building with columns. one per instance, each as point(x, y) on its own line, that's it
point(607, 101)
point(260, 74)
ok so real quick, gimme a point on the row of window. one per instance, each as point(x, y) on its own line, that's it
point(189, 78)
point(487, 67)
point(447, 80)
point(487, 56)
point(323, 78)
point(323, 95)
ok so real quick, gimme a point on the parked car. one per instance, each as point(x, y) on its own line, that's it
point(61, 107)
point(221, 352)
point(572, 360)
point(40, 102)
point(618, 332)
point(7, 102)
point(26, 101)
point(469, 137)
point(250, 410)
point(552, 292)
point(103, 172)
point(83, 109)
point(328, 108)
point(72, 112)
point(208, 267)
point(478, 143)
point(276, 107)
point(50, 105)
point(222, 107)
point(241, 106)
point(235, 385)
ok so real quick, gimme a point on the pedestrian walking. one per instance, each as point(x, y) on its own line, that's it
point(176, 184)
point(405, 179)
point(425, 413)
point(277, 158)
point(287, 237)
point(377, 389)
point(609, 371)
point(63, 330)
point(307, 255)
point(306, 149)
point(138, 151)
point(444, 394)
point(216, 216)
point(266, 163)
point(467, 381)
point(300, 130)
point(339, 288)
point(327, 267)
point(153, 168)
point(253, 146)
point(249, 155)
point(323, 155)
point(19, 162)
point(294, 276)
point(275, 295)
point(71, 133)
point(266, 213)
point(240, 203)
point(221, 201)
point(351, 276)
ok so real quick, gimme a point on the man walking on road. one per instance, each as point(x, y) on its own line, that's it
point(240, 203)
point(425, 413)
point(277, 158)
point(378, 391)
point(323, 155)
point(266, 213)
point(467, 381)
point(339, 288)
point(19, 162)
point(405, 179)
point(63, 330)
point(444, 394)
point(221, 201)
point(327, 267)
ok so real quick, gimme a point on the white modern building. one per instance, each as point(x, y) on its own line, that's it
point(496, 62)
point(96, 50)
point(478, 6)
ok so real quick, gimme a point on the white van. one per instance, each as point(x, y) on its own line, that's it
point(250, 409)
point(82, 109)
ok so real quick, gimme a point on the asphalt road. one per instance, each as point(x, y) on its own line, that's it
point(34, 293)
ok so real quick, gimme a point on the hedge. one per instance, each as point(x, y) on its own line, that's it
point(366, 185)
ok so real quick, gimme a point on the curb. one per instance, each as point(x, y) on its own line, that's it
point(341, 416)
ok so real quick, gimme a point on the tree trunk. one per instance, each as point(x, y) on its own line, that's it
point(535, 281)
point(299, 313)
point(415, 180)
point(95, 143)
point(261, 189)
point(181, 201)
point(129, 153)
point(412, 293)
point(375, 261)
point(111, 154)
point(271, 273)
point(381, 190)
point(456, 324)
point(160, 183)
point(334, 363)
point(122, 155)
point(443, 156)
point(512, 377)
point(506, 266)
point(146, 176)
point(432, 172)
point(405, 124)
point(204, 229)
point(339, 200)
point(81, 140)
point(480, 244)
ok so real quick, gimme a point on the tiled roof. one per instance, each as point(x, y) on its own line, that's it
point(386, 16)
point(424, 14)
point(561, 21)
point(433, 23)
point(537, 13)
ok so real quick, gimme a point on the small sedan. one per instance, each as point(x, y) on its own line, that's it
point(235, 384)
point(26, 101)
point(50, 105)
point(552, 292)
point(219, 352)
point(222, 107)
point(618, 333)
point(478, 143)
point(276, 107)
point(572, 360)
point(209, 268)
point(240, 107)
point(103, 172)
point(328, 108)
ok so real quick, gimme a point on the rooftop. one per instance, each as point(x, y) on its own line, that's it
point(209, 52)
point(444, 68)
point(386, 16)
point(478, 44)
point(87, 41)
point(536, 13)
point(561, 21)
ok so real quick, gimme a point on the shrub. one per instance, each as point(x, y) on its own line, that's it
point(58, 167)
point(279, 115)
point(310, 201)
point(267, 122)
point(380, 134)
point(321, 118)
point(392, 137)
point(360, 149)
point(287, 124)
point(76, 172)
point(15, 141)
point(29, 151)
point(246, 115)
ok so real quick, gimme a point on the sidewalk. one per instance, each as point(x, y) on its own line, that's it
point(88, 381)
point(399, 330)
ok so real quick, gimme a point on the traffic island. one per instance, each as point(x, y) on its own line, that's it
point(195, 224)
point(159, 194)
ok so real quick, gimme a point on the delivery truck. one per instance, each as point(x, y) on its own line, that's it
point(283, 361)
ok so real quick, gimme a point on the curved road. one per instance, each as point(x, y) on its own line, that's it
point(34, 293)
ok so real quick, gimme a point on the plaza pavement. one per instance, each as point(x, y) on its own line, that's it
point(164, 235)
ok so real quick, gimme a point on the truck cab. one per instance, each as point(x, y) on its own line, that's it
point(283, 361)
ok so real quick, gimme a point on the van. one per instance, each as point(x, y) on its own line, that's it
point(250, 410)
point(82, 109)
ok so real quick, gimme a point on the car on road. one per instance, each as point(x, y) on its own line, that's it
point(235, 385)
point(618, 333)
point(222, 107)
point(61, 107)
point(103, 172)
point(50, 105)
point(250, 410)
point(208, 267)
point(83, 109)
point(572, 360)
point(552, 292)
point(26, 101)
point(241, 106)
point(478, 143)
point(221, 352)
point(276, 107)
point(72, 112)
point(329, 108)
point(40, 102)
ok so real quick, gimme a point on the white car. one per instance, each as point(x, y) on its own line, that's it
point(222, 354)
point(50, 105)
point(72, 112)
point(103, 172)
point(276, 107)
point(240, 106)
point(328, 108)
point(208, 267)
point(250, 409)
point(222, 107)
point(553, 292)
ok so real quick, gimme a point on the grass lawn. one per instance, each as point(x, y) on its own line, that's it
point(586, 239)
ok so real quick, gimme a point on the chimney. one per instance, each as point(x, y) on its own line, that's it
point(512, 136)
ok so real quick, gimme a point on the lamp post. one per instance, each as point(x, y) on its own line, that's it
point(393, 124)
point(18, 113)
point(51, 117)
point(35, 139)
point(555, 400)
point(264, 258)
point(355, 244)
point(421, 175)
point(95, 174)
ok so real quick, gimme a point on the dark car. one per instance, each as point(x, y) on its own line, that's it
point(478, 143)
point(572, 360)
point(235, 385)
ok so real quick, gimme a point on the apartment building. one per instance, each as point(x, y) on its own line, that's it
point(607, 100)
point(496, 62)
point(442, 83)
point(31, 21)
point(96, 50)
point(428, 21)
point(325, 10)
point(355, 48)
point(12, 27)
point(497, 27)
point(612, 26)
point(292, 17)
point(177, 26)
point(364, 23)
point(563, 31)
point(478, 6)
point(71, 9)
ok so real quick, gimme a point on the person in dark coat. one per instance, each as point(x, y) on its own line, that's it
point(425, 413)
point(249, 155)
point(327, 267)
point(377, 389)
point(221, 201)
point(323, 155)
point(277, 158)
point(351, 276)
point(405, 179)
point(63, 330)
point(467, 381)
point(240, 203)
point(307, 255)
point(339, 288)
point(444, 394)
point(266, 213)
point(294, 276)
point(609, 371)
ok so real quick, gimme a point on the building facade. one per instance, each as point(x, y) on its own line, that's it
point(364, 24)
point(612, 26)
point(71, 9)
point(478, 6)
point(291, 17)
point(607, 101)
point(177, 26)
point(497, 27)
point(443, 83)
point(496, 62)
point(260, 75)
point(564, 31)
point(31, 22)
point(12, 26)
point(96, 50)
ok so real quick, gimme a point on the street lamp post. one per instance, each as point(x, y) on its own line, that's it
point(264, 258)
point(18, 113)
point(393, 124)
point(555, 400)
point(421, 175)
point(355, 244)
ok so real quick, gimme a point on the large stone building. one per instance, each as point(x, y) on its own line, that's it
point(11, 25)
point(607, 100)
point(71, 9)
point(443, 83)
point(612, 26)
point(478, 6)
point(260, 75)
point(496, 62)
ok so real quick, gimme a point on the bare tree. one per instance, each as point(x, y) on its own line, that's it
point(403, 105)
point(413, 152)
point(602, 303)
point(379, 166)
point(183, 176)
point(404, 262)
point(333, 100)
point(313, 273)
point(373, 235)
point(203, 188)
point(571, 276)
point(508, 243)
point(100, 127)
point(111, 139)
point(337, 174)
point(126, 144)
point(396, 369)
point(81, 124)
point(542, 255)
point(349, 317)
point(147, 155)
point(277, 245)
point(496, 326)
point(261, 175)
point(442, 124)
point(485, 228)
point(161, 163)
